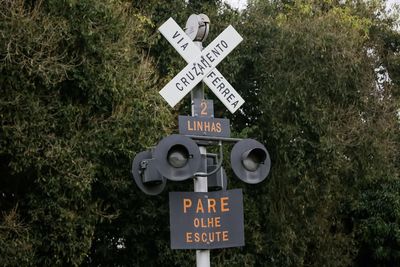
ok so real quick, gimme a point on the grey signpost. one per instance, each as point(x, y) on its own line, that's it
point(197, 94)
point(201, 66)
point(201, 220)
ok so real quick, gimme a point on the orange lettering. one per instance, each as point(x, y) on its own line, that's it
point(213, 127)
point(196, 237)
point(199, 126)
point(203, 106)
point(204, 237)
point(211, 205)
point(217, 222)
point(225, 236)
point(211, 237)
point(187, 203)
point(210, 222)
point(224, 203)
point(218, 127)
point(199, 206)
point(206, 126)
point(189, 237)
point(188, 126)
point(218, 233)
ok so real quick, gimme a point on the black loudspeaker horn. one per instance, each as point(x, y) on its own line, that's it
point(146, 176)
point(250, 161)
point(216, 181)
point(177, 157)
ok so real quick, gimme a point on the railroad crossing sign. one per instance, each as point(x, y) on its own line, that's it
point(201, 220)
point(201, 65)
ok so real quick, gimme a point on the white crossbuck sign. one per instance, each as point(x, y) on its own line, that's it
point(201, 65)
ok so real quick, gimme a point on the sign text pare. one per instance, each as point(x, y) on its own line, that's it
point(206, 220)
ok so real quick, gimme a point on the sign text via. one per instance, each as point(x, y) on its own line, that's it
point(200, 65)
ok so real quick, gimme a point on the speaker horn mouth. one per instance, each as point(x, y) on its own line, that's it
point(252, 159)
point(178, 156)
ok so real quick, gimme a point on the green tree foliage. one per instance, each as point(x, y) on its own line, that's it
point(78, 97)
point(309, 74)
point(377, 213)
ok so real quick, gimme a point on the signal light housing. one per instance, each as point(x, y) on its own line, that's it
point(146, 176)
point(177, 157)
point(250, 161)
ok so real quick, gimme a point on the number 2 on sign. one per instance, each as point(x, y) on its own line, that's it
point(203, 106)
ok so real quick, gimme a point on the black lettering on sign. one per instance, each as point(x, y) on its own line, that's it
point(230, 97)
point(176, 34)
point(224, 44)
point(190, 75)
point(179, 86)
point(184, 81)
point(195, 69)
point(204, 61)
point(209, 56)
point(220, 49)
point(218, 82)
point(201, 68)
point(225, 92)
point(221, 86)
point(183, 45)
point(215, 52)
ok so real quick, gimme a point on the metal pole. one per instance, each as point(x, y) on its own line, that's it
point(200, 182)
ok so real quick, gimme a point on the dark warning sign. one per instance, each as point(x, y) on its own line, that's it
point(206, 220)
point(204, 126)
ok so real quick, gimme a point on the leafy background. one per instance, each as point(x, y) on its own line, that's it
point(79, 98)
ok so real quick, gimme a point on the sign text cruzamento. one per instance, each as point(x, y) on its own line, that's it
point(201, 65)
point(189, 51)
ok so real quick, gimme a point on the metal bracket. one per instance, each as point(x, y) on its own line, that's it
point(221, 157)
point(214, 138)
